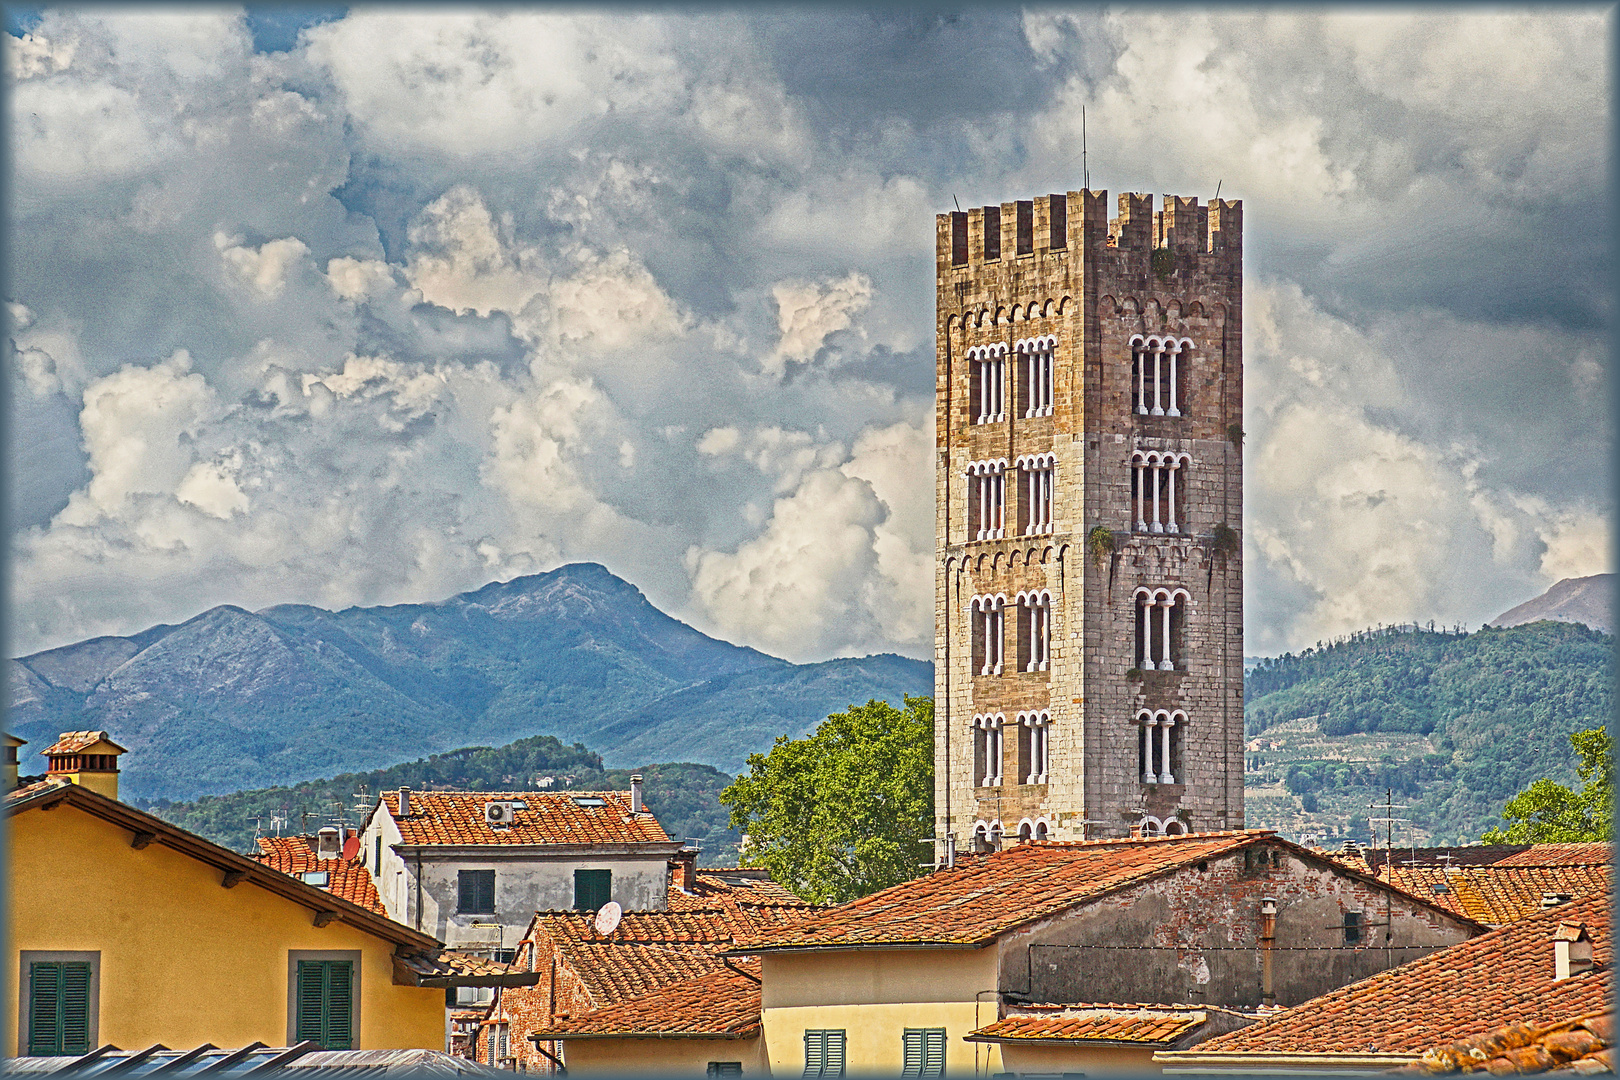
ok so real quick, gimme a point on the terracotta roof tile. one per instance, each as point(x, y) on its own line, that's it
point(987, 895)
point(722, 1004)
point(1157, 1028)
point(1500, 977)
point(295, 855)
point(73, 742)
point(457, 818)
point(715, 890)
point(1582, 1045)
point(35, 788)
point(1498, 893)
point(448, 966)
point(1590, 854)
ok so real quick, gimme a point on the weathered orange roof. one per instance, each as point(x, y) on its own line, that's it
point(295, 855)
point(76, 742)
point(455, 818)
point(720, 1004)
point(1155, 1028)
point(1582, 1045)
point(1504, 976)
point(987, 895)
point(1587, 854)
point(1498, 893)
point(714, 890)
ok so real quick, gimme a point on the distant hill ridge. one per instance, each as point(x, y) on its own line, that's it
point(1587, 600)
point(234, 699)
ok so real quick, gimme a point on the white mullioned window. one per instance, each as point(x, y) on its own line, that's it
point(1163, 733)
point(1158, 365)
point(1036, 365)
point(1159, 620)
point(989, 749)
point(988, 614)
point(987, 499)
point(1037, 477)
point(1158, 490)
point(1035, 630)
point(1033, 731)
point(988, 383)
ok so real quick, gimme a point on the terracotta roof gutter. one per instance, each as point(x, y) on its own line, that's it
point(235, 868)
point(663, 848)
point(1048, 1040)
point(1191, 1061)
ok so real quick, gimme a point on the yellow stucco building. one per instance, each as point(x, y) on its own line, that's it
point(130, 931)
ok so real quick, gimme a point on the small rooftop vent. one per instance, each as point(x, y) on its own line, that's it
point(329, 843)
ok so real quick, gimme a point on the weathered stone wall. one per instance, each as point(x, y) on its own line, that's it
point(1092, 291)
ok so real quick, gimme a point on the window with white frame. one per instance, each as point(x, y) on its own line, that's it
point(1162, 735)
point(1033, 728)
point(989, 628)
point(1035, 363)
point(1036, 477)
point(987, 392)
point(1159, 617)
point(1033, 830)
point(1035, 631)
point(1158, 490)
point(987, 499)
point(988, 749)
point(1158, 365)
point(987, 836)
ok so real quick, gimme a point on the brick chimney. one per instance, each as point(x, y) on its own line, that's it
point(1572, 951)
point(686, 867)
point(87, 758)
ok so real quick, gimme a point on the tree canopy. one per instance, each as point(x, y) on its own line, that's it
point(846, 810)
point(1547, 812)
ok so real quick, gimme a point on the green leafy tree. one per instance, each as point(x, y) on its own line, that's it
point(1550, 813)
point(844, 811)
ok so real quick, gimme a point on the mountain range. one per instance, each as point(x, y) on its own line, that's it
point(1588, 600)
point(234, 699)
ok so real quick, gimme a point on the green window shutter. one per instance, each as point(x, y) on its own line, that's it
point(76, 1008)
point(311, 1012)
point(911, 1046)
point(339, 1005)
point(592, 889)
point(475, 892)
point(377, 860)
point(934, 1052)
point(815, 1052)
point(725, 1068)
point(44, 1009)
point(835, 1054)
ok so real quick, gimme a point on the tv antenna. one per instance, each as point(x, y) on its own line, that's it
point(958, 203)
point(1217, 197)
point(1085, 170)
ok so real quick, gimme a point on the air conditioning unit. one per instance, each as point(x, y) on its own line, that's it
point(498, 813)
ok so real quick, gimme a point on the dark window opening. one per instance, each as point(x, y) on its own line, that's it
point(959, 238)
point(475, 892)
point(1352, 927)
point(592, 889)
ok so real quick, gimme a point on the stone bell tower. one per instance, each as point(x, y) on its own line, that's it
point(1089, 507)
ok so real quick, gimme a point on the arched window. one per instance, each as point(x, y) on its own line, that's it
point(1042, 830)
point(1035, 631)
point(988, 615)
point(1036, 479)
point(987, 392)
point(988, 749)
point(987, 836)
point(1158, 490)
point(1148, 826)
point(1160, 618)
point(1158, 374)
point(1033, 731)
point(1036, 365)
point(987, 499)
point(1163, 733)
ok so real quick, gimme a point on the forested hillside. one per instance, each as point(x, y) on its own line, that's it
point(684, 796)
point(1465, 720)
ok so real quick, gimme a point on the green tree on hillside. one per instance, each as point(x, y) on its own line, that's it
point(1550, 813)
point(846, 810)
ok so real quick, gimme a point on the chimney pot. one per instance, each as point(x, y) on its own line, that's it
point(1572, 951)
point(329, 842)
point(404, 802)
point(635, 793)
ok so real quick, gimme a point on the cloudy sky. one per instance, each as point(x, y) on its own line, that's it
point(377, 305)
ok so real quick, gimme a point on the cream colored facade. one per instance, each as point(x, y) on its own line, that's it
point(1028, 1056)
point(179, 958)
point(873, 996)
point(667, 1057)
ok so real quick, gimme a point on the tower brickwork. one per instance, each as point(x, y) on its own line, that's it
point(1089, 503)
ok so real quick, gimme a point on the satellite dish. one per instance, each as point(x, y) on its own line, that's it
point(607, 918)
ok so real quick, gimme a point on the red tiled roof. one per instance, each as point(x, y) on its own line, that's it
point(296, 856)
point(35, 788)
point(1457, 992)
point(1156, 1028)
point(1497, 893)
point(1580, 1046)
point(457, 818)
point(73, 742)
point(714, 890)
point(721, 1004)
point(1589, 854)
point(986, 896)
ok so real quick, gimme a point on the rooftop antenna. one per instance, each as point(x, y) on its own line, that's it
point(1218, 184)
point(1085, 170)
point(958, 204)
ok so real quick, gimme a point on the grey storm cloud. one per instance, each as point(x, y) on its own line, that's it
point(429, 298)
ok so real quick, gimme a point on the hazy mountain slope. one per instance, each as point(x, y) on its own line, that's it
point(1587, 600)
point(234, 699)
